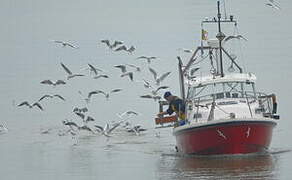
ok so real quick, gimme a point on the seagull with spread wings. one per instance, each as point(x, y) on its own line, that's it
point(51, 96)
point(159, 79)
point(37, 104)
point(154, 97)
point(107, 95)
point(239, 37)
point(148, 58)
point(70, 74)
point(124, 48)
point(111, 46)
point(49, 82)
point(65, 44)
point(123, 68)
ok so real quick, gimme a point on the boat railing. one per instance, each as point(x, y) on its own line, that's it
point(267, 105)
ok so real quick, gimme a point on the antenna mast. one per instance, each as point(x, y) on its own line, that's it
point(220, 36)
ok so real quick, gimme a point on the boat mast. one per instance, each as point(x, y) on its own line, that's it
point(220, 36)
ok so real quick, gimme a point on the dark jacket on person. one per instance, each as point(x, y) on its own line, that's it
point(177, 105)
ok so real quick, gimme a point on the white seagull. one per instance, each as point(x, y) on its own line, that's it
point(64, 44)
point(159, 79)
point(70, 74)
point(107, 95)
point(147, 58)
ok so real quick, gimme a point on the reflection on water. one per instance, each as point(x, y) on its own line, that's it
point(256, 166)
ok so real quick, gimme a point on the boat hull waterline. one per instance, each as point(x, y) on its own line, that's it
point(229, 137)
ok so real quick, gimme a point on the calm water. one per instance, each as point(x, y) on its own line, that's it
point(155, 28)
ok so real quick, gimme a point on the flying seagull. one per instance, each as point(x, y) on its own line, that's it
point(151, 97)
point(64, 44)
point(137, 68)
point(70, 74)
point(159, 79)
point(124, 48)
point(80, 110)
point(107, 130)
point(154, 92)
point(49, 82)
point(129, 74)
point(107, 95)
point(185, 50)
point(128, 113)
point(51, 96)
point(31, 105)
point(273, 4)
point(147, 58)
point(234, 37)
point(101, 76)
point(111, 46)
point(122, 67)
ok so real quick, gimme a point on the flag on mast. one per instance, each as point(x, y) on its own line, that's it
point(204, 35)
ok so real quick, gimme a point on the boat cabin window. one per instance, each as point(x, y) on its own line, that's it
point(222, 90)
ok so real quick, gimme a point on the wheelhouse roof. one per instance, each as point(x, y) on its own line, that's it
point(234, 77)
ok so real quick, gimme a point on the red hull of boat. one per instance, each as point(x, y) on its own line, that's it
point(233, 137)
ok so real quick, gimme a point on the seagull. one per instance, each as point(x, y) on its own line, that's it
point(92, 93)
point(3, 129)
point(106, 130)
point(124, 48)
point(234, 37)
point(108, 94)
point(85, 118)
point(122, 67)
point(158, 80)
point(146, 84)
point(31, 106)
point(186, 50)
point(151, 97)
point(273, 4)
point(124, 71)
point(154, 92)
point(121, 48)
point(51, 96)
point(131, 49)
point(115, 44)
point(71, 124)
point(80, 110)
point(64, 44)
point(49, 82)
point(147, 58)
point(136, 129)
point(93, 69)
point(70, 74)
point(128, 113)
point(138, 69)
point(101, 76)
point(130, 74)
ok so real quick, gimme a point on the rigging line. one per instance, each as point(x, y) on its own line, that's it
point(225, 10)
point(240, 50)
point(203, 58)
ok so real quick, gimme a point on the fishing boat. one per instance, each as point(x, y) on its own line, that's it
point(225, 114)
